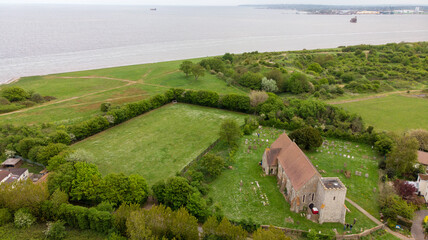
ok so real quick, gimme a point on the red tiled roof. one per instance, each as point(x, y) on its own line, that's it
point(296, 165)
point(423, 176)
point(3, 174)
point(423, 157)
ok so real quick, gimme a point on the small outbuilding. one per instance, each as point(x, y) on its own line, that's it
point(423, 158)
point(12, 163)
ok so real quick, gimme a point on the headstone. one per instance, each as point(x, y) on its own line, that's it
point(374, 190)
point(367, 175)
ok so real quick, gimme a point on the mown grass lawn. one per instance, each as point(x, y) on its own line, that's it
point(392, 113)
point(329, 158)
point(9, 232)
point(157, 144)
point(244, 202)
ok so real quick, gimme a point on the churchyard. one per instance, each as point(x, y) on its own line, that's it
point(243, 191)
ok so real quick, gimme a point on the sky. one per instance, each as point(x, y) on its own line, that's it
point(224, 2)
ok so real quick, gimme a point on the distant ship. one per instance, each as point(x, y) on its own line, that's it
point(153, 9)
point(354, 19)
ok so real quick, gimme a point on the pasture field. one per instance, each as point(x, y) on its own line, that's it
point(157, 144)
point(246, 201)
point(79, 94)
point(395, 113)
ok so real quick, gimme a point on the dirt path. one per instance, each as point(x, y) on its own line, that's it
point(381, 95)
point(65, 100)
point(417, 228)
point(400, 236)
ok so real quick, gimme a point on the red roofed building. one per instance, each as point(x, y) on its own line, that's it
point(302, 185)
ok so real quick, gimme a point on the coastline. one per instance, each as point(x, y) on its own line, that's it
point(12, 80)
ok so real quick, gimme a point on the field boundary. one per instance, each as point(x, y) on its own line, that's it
point(184, 170)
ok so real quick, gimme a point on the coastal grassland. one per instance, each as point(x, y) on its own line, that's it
point(63, 88)
point(157, 144)
point(79, 94)
point(329, 158)
point(79, 108)
point(10, 232)
point(245, 202)
point(396, 113)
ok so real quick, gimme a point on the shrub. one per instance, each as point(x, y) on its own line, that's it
point(5, 216)
point(37, 98)
point(15, 94)
point(23, 218)
point(105, 107)
point(55, 230)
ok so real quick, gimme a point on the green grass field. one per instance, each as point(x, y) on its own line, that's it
point(393, 113)
point(157, 144)
point(79, 94)
point(244, 202)
point(329, 158)
point(35, 232)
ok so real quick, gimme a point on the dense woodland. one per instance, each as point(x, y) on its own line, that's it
point(285, 88)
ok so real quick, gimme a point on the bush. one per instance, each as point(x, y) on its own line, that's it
point(307, 138)
point(15, 94)
point(55, 230)
point(24, 219)
point(5, 216)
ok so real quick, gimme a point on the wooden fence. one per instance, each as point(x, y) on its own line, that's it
point(360, 235)
point(184, 170)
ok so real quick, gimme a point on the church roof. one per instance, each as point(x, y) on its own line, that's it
point(296, 165)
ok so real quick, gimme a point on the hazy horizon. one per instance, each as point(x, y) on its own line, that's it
point(219, 2)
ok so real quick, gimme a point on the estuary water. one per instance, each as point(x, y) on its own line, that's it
point(44, 39)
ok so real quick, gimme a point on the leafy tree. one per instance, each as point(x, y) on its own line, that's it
point(86, 183)
point(403, 155)
point(276, 75)
point(23, 218)
point(158, 190)
point(230, 132)
point(298, 83)
point(197, 71)
point(61, 136)
point(269, 85)
point(5, 216)
point(383, 144)
point(392, 205)
point(55, 230)
point(271, 233)
point(228, 57)
point(176, 193)
point(404, 189)
point(62, 178)
point(46, 152)
point(105, 107)
point(122, 214)
point(251, 80)
point(14, 94)
point(315, 67)
point(212, 164)
point(23, 194)
point(226, 230)
point(307, 138)
point(197, 206)
point(422, 136)
point(26, 144)
point(186, 67)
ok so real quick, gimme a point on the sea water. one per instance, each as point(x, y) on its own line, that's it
point(44, 39)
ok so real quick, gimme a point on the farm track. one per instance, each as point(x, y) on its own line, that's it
point(370, 97)
point(129, 83)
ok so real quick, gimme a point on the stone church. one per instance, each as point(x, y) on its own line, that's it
point(301, 184)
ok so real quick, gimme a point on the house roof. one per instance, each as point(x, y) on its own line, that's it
point(423, 176)
point(17, 171)
point(3, 174)
point(11, 161)
point(423, 157)
point(296, 165)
